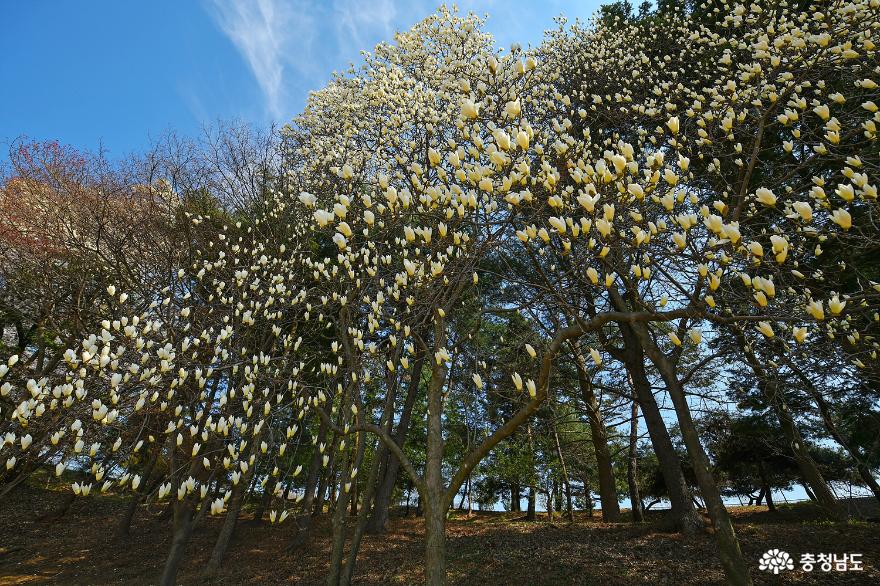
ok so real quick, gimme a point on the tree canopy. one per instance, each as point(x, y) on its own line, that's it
point(475, 265)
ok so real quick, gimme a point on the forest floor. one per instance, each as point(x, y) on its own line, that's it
point(484, 549)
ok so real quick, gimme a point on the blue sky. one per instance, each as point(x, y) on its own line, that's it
point(116, 73)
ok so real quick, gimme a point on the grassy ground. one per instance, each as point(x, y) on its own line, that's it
point(485, 549)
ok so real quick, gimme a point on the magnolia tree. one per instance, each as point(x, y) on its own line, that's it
point(635, 218)
point(418, 146)
point(659, 216)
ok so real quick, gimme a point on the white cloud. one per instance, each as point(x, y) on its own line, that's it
point(268, 33)
point(360, 22)
point(291, 46)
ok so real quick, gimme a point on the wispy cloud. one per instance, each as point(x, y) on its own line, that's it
point(268, 33)
point(291, 46)
point(360, 23)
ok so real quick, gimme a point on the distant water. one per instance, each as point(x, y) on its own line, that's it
point(796, 494)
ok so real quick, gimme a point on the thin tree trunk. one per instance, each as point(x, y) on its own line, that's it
point(328, 479)
point(435, 502)
point(360, 527)
point(776, 401)
point(530, 511)
point(533, 490)
point(831, 427)
point(353, 501)
point(569, 503)
point(379, 517)
point(765, 483)
point(304, 520)
point(204, 505)
point(185, 520)
point(182, 533)
point(124, 527)
point(225, 537)
point(239, 492)
point(564, 474)
point(632, 468)
point(347, 571)
point(557, 493)
point(809, 492)
point(338, 536)
point(682, 510)
point(735, 567)
point(351, 461)
point(265, 502)
point(607, 484)
point(588, 495)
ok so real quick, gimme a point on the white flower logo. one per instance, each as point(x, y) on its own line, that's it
point(775, 560)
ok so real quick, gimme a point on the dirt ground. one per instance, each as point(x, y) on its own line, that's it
point(485, 549)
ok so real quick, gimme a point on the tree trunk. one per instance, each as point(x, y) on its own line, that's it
point(735, 567)
point(265, 502)
point(204, 505)
point(765, 487)
point(557, 492)
point(776, 401)
point(588, 494)
point(530, 512)
point(124, 527)
point(304, 521)
point(379, 518)
point(435, 545)
point(533, 489)
point(328, 478)
point(768, 495)
point(362, 520)
point(758, 498)
point(182, 533)
point(225, 536)
point(683, 514)
point(239, 492)
point(351, 458)
point(363, 517)
point(806, 464)
point(869, 479)
point(809, 492)
point(607, 484)
point(828, 420)
point(632, 467)
point(565, 475)
point(338, 536)
point(569, 503)
point(435, 501)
